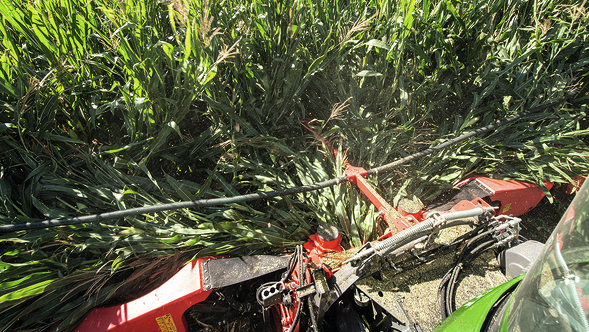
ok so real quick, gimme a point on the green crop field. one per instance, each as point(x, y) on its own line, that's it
point(113, 104)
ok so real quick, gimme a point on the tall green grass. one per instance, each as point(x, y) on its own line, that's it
point(107, 105)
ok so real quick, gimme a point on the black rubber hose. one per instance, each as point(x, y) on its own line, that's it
point(483, 234)
point(295, 321)
point(450, 301)
point(450, 277)
point(477, 237)
point(271, 194)
point(292, 262)
point(463, 137)
point(453, 281)
point(442, 294)
point(470, 234)
point(170, 206)
point(465, 252)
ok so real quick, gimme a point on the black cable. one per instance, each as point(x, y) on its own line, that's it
point(464, 253)
point(442, 291)
point(300, 261)
point(302, 269)
point(295, 321)
point(171, 206)
point(450, 302)
point(464, 137)
point(483, 230)
point(270, 194)
point(292, 262)
point(470, 234)
point(448, 282)
point(447, 288)
point(450, 291)
point(483, 234)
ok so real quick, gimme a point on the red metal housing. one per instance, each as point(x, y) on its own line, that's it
point(513, 197)
point(161, 310)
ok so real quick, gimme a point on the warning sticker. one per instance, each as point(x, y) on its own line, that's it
point(506, 208)
point(166, 323)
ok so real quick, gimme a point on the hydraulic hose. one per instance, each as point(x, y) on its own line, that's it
point(270, 194)
point(387, 245)
point(295, 322)
point(448, 283)
point(481, 235)
point(302, 266)
point(447, 288)
point(450, 291)
point(472, 233)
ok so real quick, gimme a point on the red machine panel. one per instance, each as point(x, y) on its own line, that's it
point(160, 310)
point(514, 197)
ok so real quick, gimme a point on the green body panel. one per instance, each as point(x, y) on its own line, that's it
point(471, 316)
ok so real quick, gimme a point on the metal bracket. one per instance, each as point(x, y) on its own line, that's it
point(272, 295)
point(439, 222)
point(206, 274)
point(345, 278)
point(305, 291)
point(322, 295)
point(217, 273)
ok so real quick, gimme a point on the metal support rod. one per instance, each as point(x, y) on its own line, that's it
point(477, 211)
